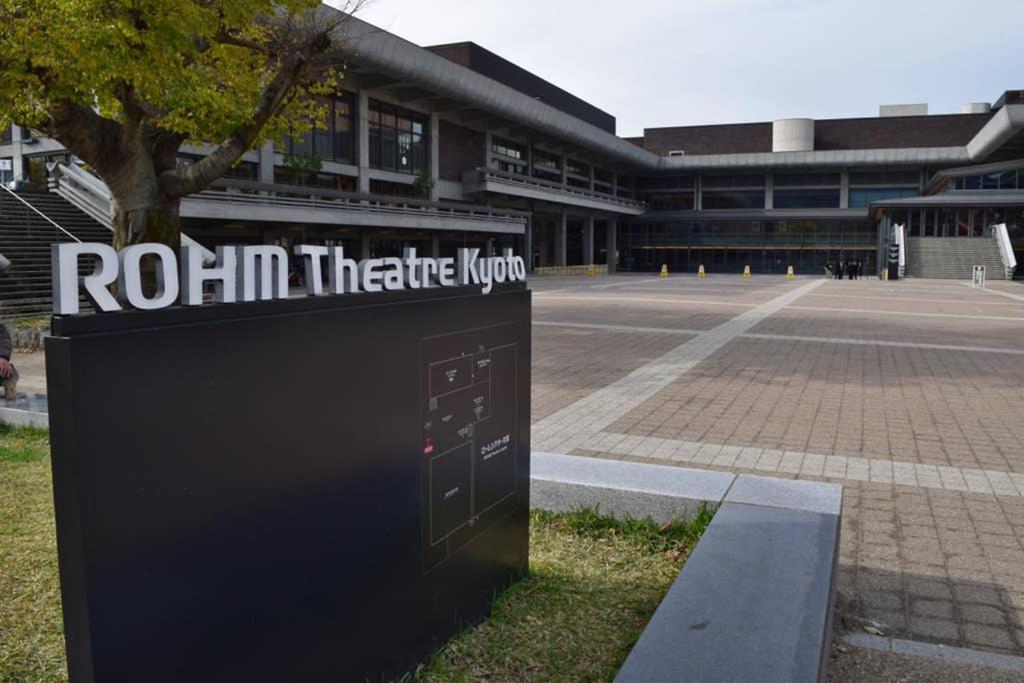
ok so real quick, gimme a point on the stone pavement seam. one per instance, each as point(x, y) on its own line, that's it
point(813, 464)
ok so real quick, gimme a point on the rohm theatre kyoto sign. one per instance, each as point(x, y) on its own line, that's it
point(257, 273)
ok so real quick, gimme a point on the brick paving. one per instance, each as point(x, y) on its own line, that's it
point(921, 420)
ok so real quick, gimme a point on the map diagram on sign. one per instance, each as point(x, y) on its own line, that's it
point(470, 398)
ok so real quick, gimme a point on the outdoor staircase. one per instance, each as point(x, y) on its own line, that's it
point(25, 239)
point(954, 257)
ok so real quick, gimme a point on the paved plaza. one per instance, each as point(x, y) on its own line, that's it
point(910, 394)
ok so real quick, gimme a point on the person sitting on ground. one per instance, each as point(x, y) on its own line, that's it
point(8, 373)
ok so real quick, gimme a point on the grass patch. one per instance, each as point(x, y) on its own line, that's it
point(31, 629)
point(594, 584)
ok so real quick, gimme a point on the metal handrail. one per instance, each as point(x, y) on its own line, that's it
point(527, 181)
point(366, 206)
point(45, 217)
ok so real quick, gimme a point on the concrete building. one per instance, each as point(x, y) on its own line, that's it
point(448, 146)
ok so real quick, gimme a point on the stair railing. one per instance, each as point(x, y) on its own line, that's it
point(1002, 237)
point(43, 215)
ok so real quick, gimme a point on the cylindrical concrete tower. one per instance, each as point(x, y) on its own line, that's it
point(976, 108)
point(793, 135)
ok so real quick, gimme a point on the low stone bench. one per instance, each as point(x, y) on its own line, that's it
point(754, 601)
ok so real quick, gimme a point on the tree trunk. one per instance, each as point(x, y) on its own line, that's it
point(160, 223)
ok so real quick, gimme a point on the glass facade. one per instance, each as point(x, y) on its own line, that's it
point(1001, 180)
point(734, 191)
point(726, 246)
point(861, 197)
point(398, 138)
point(334, 142)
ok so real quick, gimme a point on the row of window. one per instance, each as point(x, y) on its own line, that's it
point(950, 222)
point(397, 137)
point(512, 157)
point(818, 198)
point(750, 232)
point(1004, 180)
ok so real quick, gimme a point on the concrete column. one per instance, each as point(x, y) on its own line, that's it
point(363, 147)
point(564, 171)
point(769, 191)
point(435, 247)
point(528, 243)
point(588, 241)
point(612, 228)
point(698, 191)
point(487, 148)
point(435, 155)
point(364, 245)
point(560, 239)
point(844, 189)
point(267, 162)
point(18, 162)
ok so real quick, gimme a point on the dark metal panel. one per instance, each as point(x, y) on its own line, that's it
point(240, 489)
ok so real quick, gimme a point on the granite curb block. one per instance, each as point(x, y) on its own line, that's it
point(944, 653)
point(755, 599)
point(563, 483)
point(28, 410)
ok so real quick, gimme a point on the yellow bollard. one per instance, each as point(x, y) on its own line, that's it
point(746, 272)
point(664, 270)
point(700, 271)
point(789, 273)
point(590, 270)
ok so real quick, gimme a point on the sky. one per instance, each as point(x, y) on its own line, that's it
point(656, 63)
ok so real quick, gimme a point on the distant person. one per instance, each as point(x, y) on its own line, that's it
point(8, 373)
point(837, 273)
point(828, 270)
point(849, 269)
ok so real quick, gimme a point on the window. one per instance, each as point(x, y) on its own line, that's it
point(669, 201)
point(886, 177)
point(806, 199)
point(624, 187)
point(547, 166)
point(806, 179)
point(507, 148)
point(334, 142)
point(738, 180)
point(732, 199)
point(862, 197)
point(665, 183)
point(398, 139)
point(577, 168)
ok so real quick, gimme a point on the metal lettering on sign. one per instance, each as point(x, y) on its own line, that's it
point(258, 273)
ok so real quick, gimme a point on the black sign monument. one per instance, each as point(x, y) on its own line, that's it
point(323, 488)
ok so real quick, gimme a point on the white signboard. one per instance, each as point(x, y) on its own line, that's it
point(978, 279)
point(257, 273)
point(6, 165)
